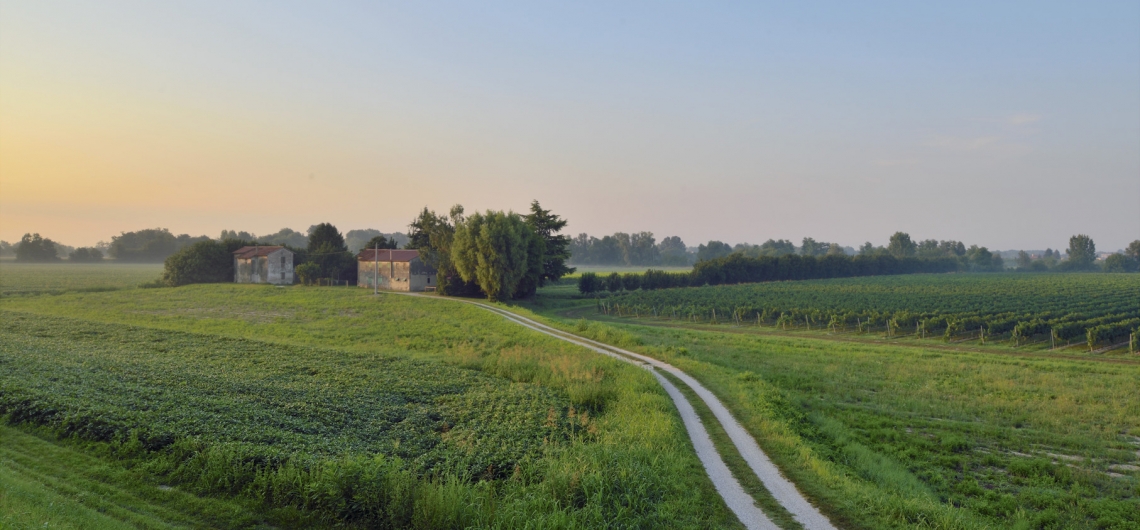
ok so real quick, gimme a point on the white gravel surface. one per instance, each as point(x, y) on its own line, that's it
point(739, 501)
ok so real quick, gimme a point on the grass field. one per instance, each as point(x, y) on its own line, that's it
point(34, 278)
point(353, 409)
point(900, 435)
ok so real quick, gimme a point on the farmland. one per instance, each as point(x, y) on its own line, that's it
point(453, 407)
point(33, 278)
point(913, 432)
point(1052, 442)
point(1047, 309)
point(330, 406)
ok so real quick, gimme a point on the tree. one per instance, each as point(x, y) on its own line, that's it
point(432, 234)
point(867, 249)
point(713, 250)
point(499, 252)
point(555, 246)
point(777, 248)
point(901, 246)
point(327, 250)
point(422, 228)
point(673, 251)
point(35, 249)
point(85, 255)
point(150, 245)
point(1082, 252)
point(1023, 260)
point(811, 247)
point(379, 242)
point(203, 262)
point(1120, 263)
point(1133, 250)
point(834, 249)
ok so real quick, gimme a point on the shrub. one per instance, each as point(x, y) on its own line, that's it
point(631, 281)
point(307, 272)
point(613, 282)
point(588, 283)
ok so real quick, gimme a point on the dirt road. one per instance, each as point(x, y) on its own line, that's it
point(739, 501)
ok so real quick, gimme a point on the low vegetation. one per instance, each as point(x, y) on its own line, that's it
point(352, 409)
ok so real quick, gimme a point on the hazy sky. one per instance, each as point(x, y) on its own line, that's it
point(1009, 125)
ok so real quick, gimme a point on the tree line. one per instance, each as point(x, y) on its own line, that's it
point(740, 268)
point(773, 262)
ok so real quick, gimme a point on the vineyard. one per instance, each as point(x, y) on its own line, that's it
point(1054, 310)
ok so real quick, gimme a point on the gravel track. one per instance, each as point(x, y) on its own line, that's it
point(740, 502)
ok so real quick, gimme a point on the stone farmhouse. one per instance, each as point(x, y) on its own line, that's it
point(258, 264)
point(396, 270)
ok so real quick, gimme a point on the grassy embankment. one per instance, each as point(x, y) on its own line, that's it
point(895, 435)
point(286, 397)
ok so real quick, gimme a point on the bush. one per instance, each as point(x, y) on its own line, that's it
point(613, 282)
point(631, 281)
point(588, 283)
point(307, 272)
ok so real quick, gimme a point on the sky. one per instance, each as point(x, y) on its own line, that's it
point(1004, 124)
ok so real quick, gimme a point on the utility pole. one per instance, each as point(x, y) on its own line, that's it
point(376, 272)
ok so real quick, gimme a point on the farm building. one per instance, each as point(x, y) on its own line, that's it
point(257, 264)
point(398, 270)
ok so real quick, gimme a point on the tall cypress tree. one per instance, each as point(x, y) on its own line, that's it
point(547, 226)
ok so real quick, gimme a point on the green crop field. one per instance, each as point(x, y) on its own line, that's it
point(332, 406)
point(889, 435)
point(30, 278)
point(900, 432)
point(1095, 310)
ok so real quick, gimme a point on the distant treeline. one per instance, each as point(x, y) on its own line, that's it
point(738, 268)
point(901, 256)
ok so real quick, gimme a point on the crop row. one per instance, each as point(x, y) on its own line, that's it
point(1099, 310)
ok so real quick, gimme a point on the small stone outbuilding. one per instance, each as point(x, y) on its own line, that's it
point(399, 270)
point(258, 264)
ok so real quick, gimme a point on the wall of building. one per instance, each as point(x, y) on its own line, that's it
point(280, 268)
point(276, 268)
point(398, 276)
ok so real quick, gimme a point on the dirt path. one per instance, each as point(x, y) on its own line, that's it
point(740, 502)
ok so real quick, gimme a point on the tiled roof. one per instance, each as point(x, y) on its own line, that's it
point(387, 255)
point(259, 251)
